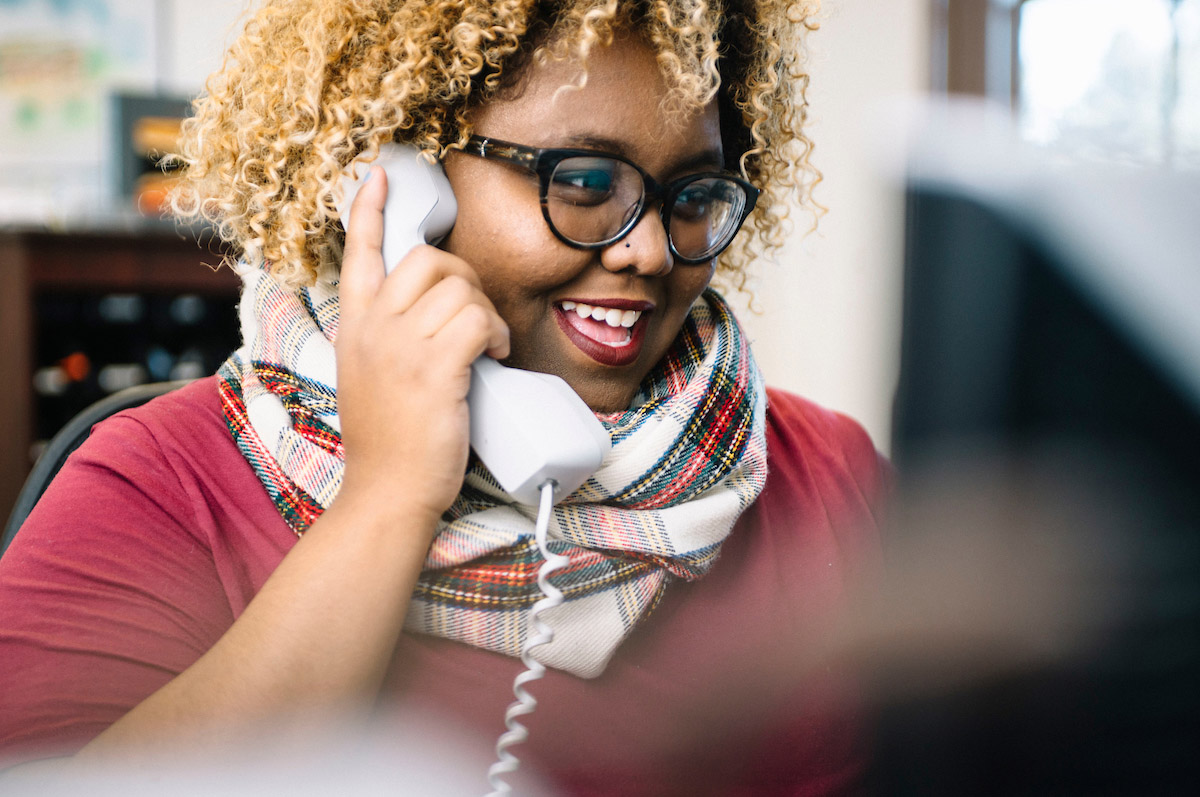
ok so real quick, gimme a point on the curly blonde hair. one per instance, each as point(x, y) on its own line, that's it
point(312, 85)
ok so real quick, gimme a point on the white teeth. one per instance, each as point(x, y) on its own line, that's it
point(609, 315)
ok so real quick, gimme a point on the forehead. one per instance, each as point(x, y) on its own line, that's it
point(620, 103)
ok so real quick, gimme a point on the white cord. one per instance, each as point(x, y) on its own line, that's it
point(539, 634)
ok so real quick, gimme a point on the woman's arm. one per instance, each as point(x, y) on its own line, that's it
point(318, 637)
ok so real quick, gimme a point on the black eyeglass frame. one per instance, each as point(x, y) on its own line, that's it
point(543, 162)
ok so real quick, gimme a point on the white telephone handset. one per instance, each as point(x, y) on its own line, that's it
point(536, 436)
point(527, 427)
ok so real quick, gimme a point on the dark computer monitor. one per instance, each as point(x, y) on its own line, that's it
point(1051, 327)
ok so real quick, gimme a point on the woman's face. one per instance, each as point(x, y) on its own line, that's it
point(533, 278)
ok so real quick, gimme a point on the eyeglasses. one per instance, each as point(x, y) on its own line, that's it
point(593, 199)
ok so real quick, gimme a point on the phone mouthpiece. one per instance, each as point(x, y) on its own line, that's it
point(529, 428)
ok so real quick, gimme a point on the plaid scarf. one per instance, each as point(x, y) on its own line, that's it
point(686, 460)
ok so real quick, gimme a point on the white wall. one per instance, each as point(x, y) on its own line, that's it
point(198, 33)
point(829, 324)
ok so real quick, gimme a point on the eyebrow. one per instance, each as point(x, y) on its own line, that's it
point(707, 158)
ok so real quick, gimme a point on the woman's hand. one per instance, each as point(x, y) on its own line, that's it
point(316, 641)
point(404, 349)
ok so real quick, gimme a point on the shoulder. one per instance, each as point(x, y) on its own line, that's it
point(162, 479)
point(191, 413)
point(790, 415)
point(132, 456)
point(177, 453)
point(800, 429)
point(116, 579)
point(143, 476)
point(182, 432)
point(823, 454)
point(148, 543)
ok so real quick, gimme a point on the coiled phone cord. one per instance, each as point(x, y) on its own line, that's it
point(539, 634)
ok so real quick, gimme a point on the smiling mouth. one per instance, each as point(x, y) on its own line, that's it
point(610, 335)
point(608, 325)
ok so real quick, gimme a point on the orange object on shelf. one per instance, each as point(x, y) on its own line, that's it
point(150, 193)
point(76, 366)
point(155, 136)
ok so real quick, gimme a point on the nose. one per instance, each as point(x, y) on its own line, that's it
point(645, 250)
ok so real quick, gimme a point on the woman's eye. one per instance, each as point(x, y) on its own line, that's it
point(692, 202)
point(586, 180)
point(589, 182)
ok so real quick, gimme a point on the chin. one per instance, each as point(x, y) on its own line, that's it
point(607, 397)
point(602, 389)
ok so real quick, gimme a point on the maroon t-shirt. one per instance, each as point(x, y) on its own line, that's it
point(157, 534)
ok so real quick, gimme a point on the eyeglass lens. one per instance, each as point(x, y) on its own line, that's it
point(593, 199)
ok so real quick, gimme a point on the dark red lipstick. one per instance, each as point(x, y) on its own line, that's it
point(603, 353)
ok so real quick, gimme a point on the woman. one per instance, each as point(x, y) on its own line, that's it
point(250, 548)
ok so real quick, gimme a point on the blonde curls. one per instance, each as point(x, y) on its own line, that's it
point(312, 85)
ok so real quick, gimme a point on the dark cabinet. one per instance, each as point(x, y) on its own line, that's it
point(85, 313)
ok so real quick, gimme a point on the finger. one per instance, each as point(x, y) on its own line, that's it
point(472, 331)
point(442, 302)
point(363, 271)
point(419, 271)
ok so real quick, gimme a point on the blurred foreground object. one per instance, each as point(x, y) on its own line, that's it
point(1047, 421)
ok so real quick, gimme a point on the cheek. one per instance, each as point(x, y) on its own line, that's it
point(500, 224)
point(687, 283)
point(515, 255)
point(691, 282)
point(490, 221)
point(489, 237)
point(482, 228)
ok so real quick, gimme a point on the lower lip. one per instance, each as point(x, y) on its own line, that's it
point(615, 356)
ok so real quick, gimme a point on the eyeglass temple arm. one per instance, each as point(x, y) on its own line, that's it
point(503, 150)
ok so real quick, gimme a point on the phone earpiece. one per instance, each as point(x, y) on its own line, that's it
point(420, 207)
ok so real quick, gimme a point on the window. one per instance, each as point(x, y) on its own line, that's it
point(1113, 79)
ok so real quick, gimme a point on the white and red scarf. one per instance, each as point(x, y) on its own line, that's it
point(686, 460)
